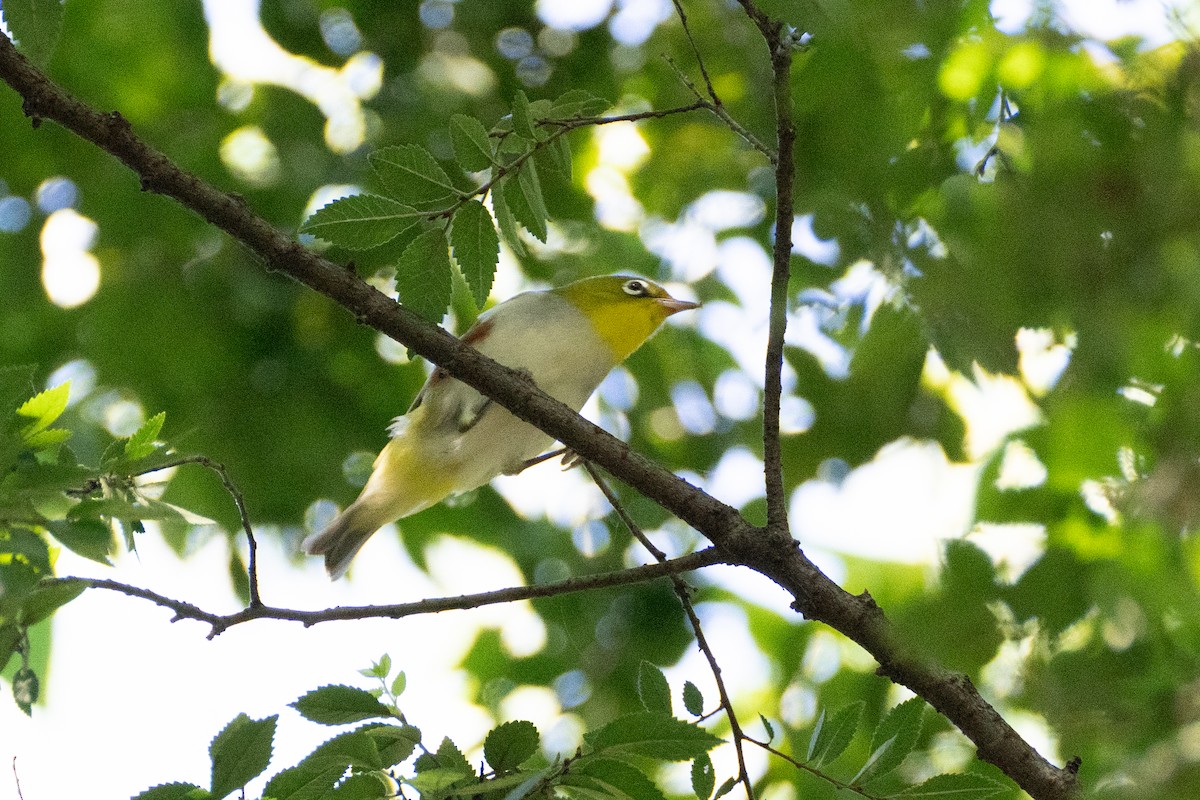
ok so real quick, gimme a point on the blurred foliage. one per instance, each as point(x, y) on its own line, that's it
point(1075, 212)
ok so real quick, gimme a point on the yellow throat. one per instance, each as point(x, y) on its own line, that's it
point(624, 310)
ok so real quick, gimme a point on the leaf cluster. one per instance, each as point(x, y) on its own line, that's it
point(48, 498)
point(503, 164)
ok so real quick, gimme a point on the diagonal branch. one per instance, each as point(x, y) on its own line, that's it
point(770, 551)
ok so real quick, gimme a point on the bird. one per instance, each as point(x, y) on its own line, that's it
point(454, 439)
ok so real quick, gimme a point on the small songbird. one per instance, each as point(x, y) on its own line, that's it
point(454, 439)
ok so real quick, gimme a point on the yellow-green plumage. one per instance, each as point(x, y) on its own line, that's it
point(454, 439)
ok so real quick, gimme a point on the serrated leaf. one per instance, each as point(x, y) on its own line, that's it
point(303, 782)
point(472, 145)
point(339, 705)
point(652, 735)
point(522, 118)
point(240, 753)
point(693, 701)
point(25, 689)
point(558, 153)
point(704, 778)
point(726, 788)
point(362, 786)
point(174, 791)
point(356, 748)
point(449, 756)
point(901, 727)
point(399, 684)
point(508, 746)
point(476, 248)
point(423, 275)
point(412, 176)
point(36, 25)
point(47, 597)
point(767, 727)
point(44, 408)
point(961, 786)
point(523, 196)
point(395, 742)
point(833, 735)
point(505, 220)
point(653, 689)
point(43, 440)
point(361, 221)
point(141, 444)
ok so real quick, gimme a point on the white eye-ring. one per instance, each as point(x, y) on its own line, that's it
point(636, 288)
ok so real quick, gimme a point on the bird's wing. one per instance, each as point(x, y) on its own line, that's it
point(452, 401)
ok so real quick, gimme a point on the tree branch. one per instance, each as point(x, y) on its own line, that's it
point(222, 622)
point(769, 551)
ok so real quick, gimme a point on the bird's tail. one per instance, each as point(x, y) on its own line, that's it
point(344, 537)
point(402, 483)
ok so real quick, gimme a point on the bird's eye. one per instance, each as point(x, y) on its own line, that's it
point(636, 288)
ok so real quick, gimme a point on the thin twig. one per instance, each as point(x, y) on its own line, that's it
point(240, 501)
point(223, 622)
point(683, 592)
point(712, 93)
point(17, 779)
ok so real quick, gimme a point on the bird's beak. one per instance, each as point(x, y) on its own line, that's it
point(674, 306)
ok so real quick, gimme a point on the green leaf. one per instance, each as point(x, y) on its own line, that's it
point(356, 748)
point(767, 727)
point(522, 118)
point(704, 778)
point(361, 221)
point(36, 25)
point(509, 745)
point(448, 756)
point(240, 753)
point(505, 219)
point(363, 786)
point(174, 791)
point(89, 538)
point(115, 507)
point(476, 248)
point(616, 779)
point(25, 688)
point(48, 597)
point(339, 705)
point(141, 444)
point(43, 408)
point(653, 690)
point(395, 742)
point(654, 735)
point(961, 786)
point(693, 701)
point(726, 788)
point(523, 196)
point(577, 103)
point(832, 736)
point(399, 684)
point(894, 738)
point(558, 156)
point(43, 440)
point(471, 143)
point(304, 782)
point(412, 176)
point(423, 276)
